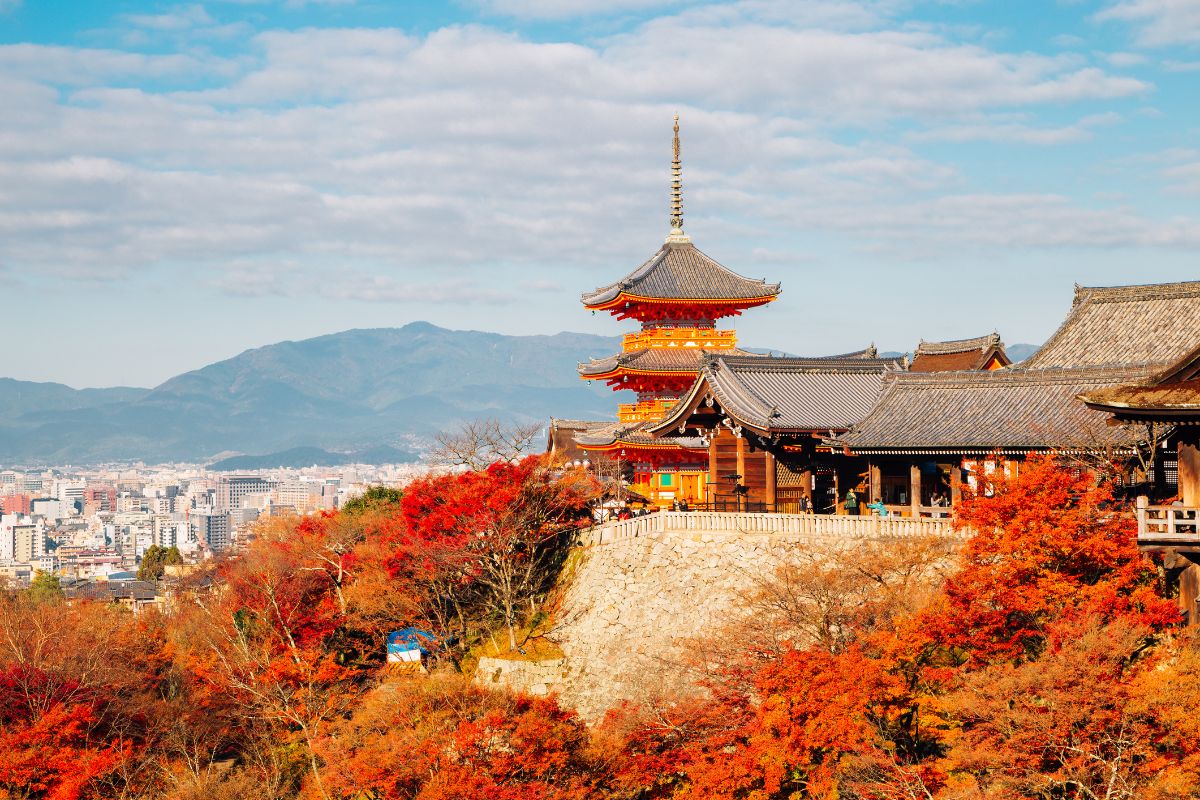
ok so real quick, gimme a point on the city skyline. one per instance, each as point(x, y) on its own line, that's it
point(184, 182)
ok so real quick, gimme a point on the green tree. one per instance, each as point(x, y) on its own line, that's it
point(155, 560)
point(45, 588)
point(376, 497)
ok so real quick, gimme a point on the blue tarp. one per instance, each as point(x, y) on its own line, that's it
point(411, 639)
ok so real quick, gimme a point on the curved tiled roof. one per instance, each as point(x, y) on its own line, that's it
point(1012, 410)
point(634, 434)
point(1181, 396)
point(1173, 394)
point(1152, 324)
point(786, 394)
point(958, 345)
point(680, 271)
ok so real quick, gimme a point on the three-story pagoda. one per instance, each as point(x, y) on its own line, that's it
point(678, 296)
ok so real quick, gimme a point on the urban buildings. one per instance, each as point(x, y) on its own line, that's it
point(88, 524)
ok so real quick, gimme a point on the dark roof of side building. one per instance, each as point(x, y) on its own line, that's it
point(972, 412)
point(560, 438)
point(110, 591)
point(959, 354)
point(1172, 394)
point(1153, 324)
point(680, 271)
point(786, 394)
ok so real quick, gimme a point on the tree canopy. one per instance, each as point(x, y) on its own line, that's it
point(1042, 661)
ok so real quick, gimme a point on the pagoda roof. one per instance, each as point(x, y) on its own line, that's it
point(786, 394)
point(959, 354)
point(680, 271)
point(1013, 410)
point(651, 359)
point(1151, 324)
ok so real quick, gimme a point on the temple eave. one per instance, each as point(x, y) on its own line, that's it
point(629, 306)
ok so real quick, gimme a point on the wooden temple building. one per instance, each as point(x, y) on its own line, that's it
point(906, 437)
point(678, 296)
point(1165, 406)
point(763, 421)
point(717, 427)
point(935, 432)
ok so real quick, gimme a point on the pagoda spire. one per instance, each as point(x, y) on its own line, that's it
point(677, 235)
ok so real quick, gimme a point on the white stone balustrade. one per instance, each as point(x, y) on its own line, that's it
point(804, 525)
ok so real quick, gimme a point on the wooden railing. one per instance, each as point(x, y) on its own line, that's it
point(933, 512)
point(681, 337)
point(644, 411)
point(1167, 523)
point(845, 527)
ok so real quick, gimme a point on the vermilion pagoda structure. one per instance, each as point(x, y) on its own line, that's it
point(677, 296)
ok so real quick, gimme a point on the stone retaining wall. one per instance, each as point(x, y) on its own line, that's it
point(636, 601)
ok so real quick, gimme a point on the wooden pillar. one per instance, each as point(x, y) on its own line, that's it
point(914, 489)
point(769, 465)
point(1189, 592)
point(710, 485)
point(741, 469)
point(1189, 466)
point(874, 482)
point(955, 484)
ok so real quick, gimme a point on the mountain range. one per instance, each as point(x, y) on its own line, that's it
point(347, 391)
point(371, 393)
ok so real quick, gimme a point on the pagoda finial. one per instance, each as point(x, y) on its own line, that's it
point(677, 234)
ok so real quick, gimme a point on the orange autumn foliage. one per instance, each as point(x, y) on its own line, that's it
point(445, 738)
point(1048, 544)
point(1042, 663)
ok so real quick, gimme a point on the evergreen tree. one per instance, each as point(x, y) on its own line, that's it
point(155, 561)
point(45, 588)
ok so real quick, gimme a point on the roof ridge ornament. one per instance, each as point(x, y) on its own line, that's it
point(677, 236)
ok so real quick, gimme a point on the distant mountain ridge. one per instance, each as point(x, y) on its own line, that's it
point(17, 397)
point(341, 392)
point(314, 457)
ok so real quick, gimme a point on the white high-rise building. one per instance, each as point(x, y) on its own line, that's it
point(213, 529)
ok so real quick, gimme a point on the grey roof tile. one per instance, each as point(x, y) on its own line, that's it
point(634, 433)
point(680, 271)
point(958, 345)
point(1013, 410)
point(788, 394)
point(1151, 324)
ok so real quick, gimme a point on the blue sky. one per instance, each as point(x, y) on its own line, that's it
point(179, 182)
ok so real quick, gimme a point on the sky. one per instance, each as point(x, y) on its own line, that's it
point(180, 182)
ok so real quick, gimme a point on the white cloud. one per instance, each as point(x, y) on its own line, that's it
point(1016, 132)
point(478, 153)
point(562, 9)
point(71, 66)
point(1157, 23)
point(180, 18)
point(1125, 59)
